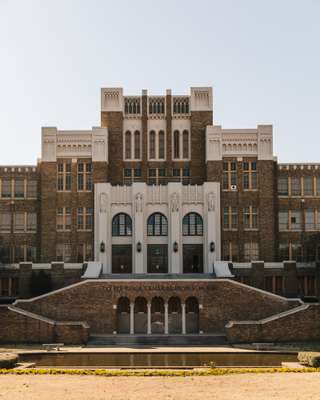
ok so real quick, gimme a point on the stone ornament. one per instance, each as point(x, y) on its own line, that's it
point(175, 202)
point(211, 201)
point(103, 202)
point(139, 202)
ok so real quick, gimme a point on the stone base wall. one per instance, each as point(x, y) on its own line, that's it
point(302, 324)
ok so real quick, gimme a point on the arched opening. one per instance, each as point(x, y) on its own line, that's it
point(157, 256)
point(123, 315)
point(157, 315)
point(174, 315)
point(192, 315)
point(192, 225)
point(176, 144)
point(128, 149)
point(122, 253)
point(140, 315)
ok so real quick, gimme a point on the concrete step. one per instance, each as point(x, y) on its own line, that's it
point(157, 340)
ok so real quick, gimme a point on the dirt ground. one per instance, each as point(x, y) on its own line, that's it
point(236, 387)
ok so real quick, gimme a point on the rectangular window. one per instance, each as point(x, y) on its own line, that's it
point(310, 219)
point(84, 176)
point(176, 172)
point(251, 251)
point(31, 222)
point(152, 172)
point(84, 252)
point(284, 252)
point(308, 186)
point(229, 175)
point(19, 222)
point(250, 217)
point(295, 220)
point(5, 222)
point(249, 175)
point(137, 173)
point(296, 251)
point(230, 251)
point(318, 185)
point(127, 172)
point(64, 176)
point(283, 187)
point(5, 256)
point(31, 253)
point(295, 186)
point(63, 219)
point(63, 252)
point(32, 190)
point(85, 218)
point(19, 188)
point(19, 253)
point(230, 218)
point(283, 220)
point(6, 188)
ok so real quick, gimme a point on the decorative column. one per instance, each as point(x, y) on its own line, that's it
point(183, 309)
point(131, 318)
point(166, 318)
point(149, 318)
point(138, 255)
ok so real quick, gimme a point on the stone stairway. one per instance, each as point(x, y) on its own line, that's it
point(156, 340)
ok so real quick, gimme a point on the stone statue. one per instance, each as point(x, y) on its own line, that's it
point(139, 202)
point(103, 202)
point(174, 202)
point(211, 201)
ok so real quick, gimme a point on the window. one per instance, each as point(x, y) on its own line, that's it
point(6, 188)
point(152, 145)
point(128, 145)
point(192, 225)
point(19, 222)
point(85, 218)
point(157, 225)
point(84, 252)
point(176, 144)
point(85, 176)
point(31, 253)
point(295, 186)
point(31, 222)
point(64, 176)
point(157, 176)
point(230, 251)
point(180, 105)
point(283, 188)
point(63, 252)
point(19, 253)
point(127, 172)
point(32, 190)
point(308, 186)
point(156, 105)
point(137, 150)
point(318, 185)
point(19, 188)
point(251, 251)
point(5, 254)
point(230, 218)
point(310, 222)
point(295, 251)
point(161, 144)
point(5, 222)
point(249, 175)
point(284, 254)
point(132, 105)
point(121, 225)
point(250, 217)
point(185, 144)
point(283, 221)
point(63, 219)
point(289, 220)
point(229, 174)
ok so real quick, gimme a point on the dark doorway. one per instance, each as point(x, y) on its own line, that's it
point(192, 258)
point(157, 258)
point(123, 315)
point(121, 259)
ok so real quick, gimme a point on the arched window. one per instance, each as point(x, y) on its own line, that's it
point(161, 144)
point(152, 145)
point(121, 225)
point(157, 225)
point(192, 225)
point(185, 144)
point(128, 145)
point(123, 305)
point(137, 154)
point(176, 144)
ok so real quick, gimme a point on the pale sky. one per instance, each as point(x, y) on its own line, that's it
point(261, 57)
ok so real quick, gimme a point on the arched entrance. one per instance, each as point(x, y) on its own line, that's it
point(157, 315)
point(123, 315)
point(140, 315)
point(192, 315)
point(174, 318)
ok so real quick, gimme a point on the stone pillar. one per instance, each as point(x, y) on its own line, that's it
point(257, 274)
point(166, 318)
point(290, 279)
point(149, 318)
point(57, 275)
point(25, 274)
point(139, 193)
point(183, 309)
point(175, 228)
point(132, 318)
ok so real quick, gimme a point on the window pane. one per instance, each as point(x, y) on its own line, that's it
point(6, 188)
point(161, 144)
point(308, 186)
point(19, 188)
point(32, 189)
point(295, 186)
point(283, 186)
point(152, 145)
point(185, 145)
point(137, 145)
point(176, 144)
point(19, 222)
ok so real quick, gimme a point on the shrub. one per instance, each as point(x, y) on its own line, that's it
point(8, 360)
point(310, 358)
